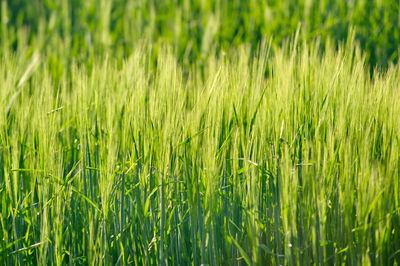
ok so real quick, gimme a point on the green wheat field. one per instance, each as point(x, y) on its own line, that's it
point(199, 132)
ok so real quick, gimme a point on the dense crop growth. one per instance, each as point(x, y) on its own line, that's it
point(195, 28)
point(134, 132)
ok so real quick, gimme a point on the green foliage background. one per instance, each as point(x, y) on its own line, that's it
point(196, 27)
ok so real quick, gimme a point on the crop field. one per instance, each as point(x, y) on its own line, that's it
point(181, 132)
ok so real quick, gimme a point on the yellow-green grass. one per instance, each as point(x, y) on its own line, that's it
point(290, 158)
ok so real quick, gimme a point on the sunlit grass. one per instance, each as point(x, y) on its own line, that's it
point(284, 158)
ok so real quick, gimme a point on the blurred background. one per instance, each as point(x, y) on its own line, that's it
point(197, 28)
